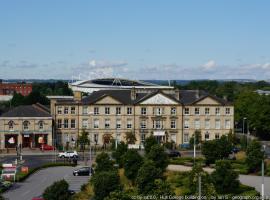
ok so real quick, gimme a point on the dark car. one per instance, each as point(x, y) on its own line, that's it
point(235, 150)
point(84, 171)
point(173, 153)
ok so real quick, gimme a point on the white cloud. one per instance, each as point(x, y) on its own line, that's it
point(209, 65)
point(266, 66)
point(106, 63)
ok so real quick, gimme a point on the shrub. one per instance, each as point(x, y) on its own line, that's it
point(159, 157)
point(119, 152)
point(103, 163)
point(254, 156)
point(57, 191)
point(132, 163)
point(149, 142)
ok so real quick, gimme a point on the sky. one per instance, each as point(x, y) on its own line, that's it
point(135, 39)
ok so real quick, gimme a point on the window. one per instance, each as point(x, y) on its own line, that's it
point(65, 123)
point(216, 136)
point(143, 111)
point(157, 124)
point(186, 111)
point(186, 124)
point(142, 137)
point(129, 110)
point(207, 124)
point(59, 110)
point(72, 123)
point(26, 125)
point(227, 111)
point(96, 123)
point(96, 138)
point(72, 110)
point(85, 123)
point(173, 111)
point(40, 125)
point(197, 111)
point(143, 124)
point(173, 124)
point(206, 136)
point(59, 123)
point(107, 123)
point(217, 111)
point(227, 124)
point(118, 110)
point(197, 124)
point(186, 138)
point(207, 111)
point(118, 123)
point(217, 125)
point(11, 125)
point(129, 123)
point(158, 111)
point(96, 111)
point(107, 110)
point(85, 110)
point(66, 110)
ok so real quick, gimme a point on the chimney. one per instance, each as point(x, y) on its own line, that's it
point(177, 94)
point(197, 94)
point(77, 95)
point(133, 94)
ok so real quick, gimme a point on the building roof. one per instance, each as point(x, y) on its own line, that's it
point(35, 110)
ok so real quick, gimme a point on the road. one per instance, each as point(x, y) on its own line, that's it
point(253, 181)
point(36, 183)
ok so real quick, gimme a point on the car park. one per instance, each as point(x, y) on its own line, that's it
point(173, 153)
point(68, 154)
point(84, 171)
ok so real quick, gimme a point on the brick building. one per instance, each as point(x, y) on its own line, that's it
point(11, 88)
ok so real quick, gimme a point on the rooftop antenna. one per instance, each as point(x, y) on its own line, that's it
point(169, 81)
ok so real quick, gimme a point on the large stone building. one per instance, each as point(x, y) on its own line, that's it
point(29, 126)
point(169, 115)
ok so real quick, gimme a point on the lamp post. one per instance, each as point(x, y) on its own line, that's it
point(194, 148)
point(244, 129)
point(262, 192)
point(90, 149)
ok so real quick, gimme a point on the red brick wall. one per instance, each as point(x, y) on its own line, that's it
point(10, 88)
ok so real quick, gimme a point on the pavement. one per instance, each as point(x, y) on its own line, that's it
point(253, 181)
point(36, 184)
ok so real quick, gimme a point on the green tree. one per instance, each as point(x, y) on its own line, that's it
point(83, 140)
point(36, 97)
point(17, 100)
point(130, 138)
point(198, 138)
point(105, 182)
point(232, 137)
point(57, 191)
point(159, 157)
point(149, 142)
point(132, 163)
point(162, 189)
point(119, 152)
point(225, 178)
point(146, 177)
point(104, 163)
point(254, 156)
point(118, 195)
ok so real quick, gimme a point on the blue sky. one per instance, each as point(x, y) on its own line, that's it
point(139, 39)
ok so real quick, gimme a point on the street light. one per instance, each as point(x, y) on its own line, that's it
point(262, 193)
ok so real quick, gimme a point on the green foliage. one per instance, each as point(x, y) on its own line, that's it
point(32, 98)
point(146, 177)
point(232, 138)
point(130, 138)
point(119, 152)
point(149, 142)
point(104, 183)
point(83, 139)
point(225, 178)
point(254, 156)
point(162, 188)
point(159, 157)
point(118, 195)
point(53, 88)
point(216, 149)
point(57, 191)
point(198, 138)
point(132, 163)
point(103, 163)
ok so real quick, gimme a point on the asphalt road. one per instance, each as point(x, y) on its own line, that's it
point(36, 183)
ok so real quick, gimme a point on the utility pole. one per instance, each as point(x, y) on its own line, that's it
point(262, 192)
point(200, 186)
point(194, 147)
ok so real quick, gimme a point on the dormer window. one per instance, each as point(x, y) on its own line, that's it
point(40, 125)
point(26, 125)
point(11, 125)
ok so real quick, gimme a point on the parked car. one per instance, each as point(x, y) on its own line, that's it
point(84, 171)
point(46, 147)
point(235, 149)
point(173, 153)
point(68, 154)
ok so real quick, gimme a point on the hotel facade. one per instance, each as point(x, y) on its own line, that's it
point(169, 115)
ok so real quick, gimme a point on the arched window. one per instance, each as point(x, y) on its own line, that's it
point(26, 125)
point(11, 125)
point(40, 125)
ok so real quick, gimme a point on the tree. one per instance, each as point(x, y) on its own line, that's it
point(57, 191)
point(130, 138)
point(36, 97)
point(104, 183)
point(103, 163)
point(207, 186)
point(118, 195)
point(159, 157)
point(132, 163)
point(17, 100)
point(162, 189)
point(119, 152)
point(149, 142)
point(232, 137)
point(198, 138)
point(254, 156)
point(83, 140)
point(146, 177)
point(216, 149)
point(225, 178)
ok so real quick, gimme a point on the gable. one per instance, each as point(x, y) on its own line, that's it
point(208, 101)
point(107, 100)
point(159, 99)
